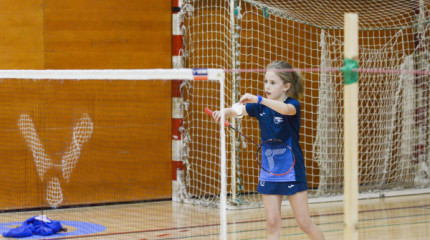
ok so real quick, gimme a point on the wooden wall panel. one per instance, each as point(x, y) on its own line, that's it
point(128, 157)
point(107, 34)
point(21, 38)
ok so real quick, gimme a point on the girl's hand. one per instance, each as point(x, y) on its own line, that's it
point(216, 115)
point(248, 98)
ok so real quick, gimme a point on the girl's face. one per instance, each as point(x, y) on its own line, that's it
point(274, 87)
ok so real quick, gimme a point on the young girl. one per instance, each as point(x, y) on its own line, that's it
point(279, 117)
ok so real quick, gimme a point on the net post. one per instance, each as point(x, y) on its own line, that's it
point(350, 126)
point(178, 182)
point(223, 155)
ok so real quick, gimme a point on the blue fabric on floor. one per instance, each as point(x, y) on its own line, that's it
point(38, 225)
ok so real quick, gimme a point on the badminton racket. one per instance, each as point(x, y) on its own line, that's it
point(274, 156)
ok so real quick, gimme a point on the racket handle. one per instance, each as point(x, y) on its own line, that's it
point(209, 112)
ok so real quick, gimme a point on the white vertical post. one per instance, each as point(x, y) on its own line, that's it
point(351, 131)
point(233, 97)
point(178, 182)
point(223, 192)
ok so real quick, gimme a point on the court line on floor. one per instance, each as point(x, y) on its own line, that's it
point(239, 222)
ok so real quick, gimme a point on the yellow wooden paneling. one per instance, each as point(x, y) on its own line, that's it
point(108, 34)
point(21, 38)
point(128, 157)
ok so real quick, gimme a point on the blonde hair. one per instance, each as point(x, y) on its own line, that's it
point(296, 90)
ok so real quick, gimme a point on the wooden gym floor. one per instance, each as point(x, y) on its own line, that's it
point(405, 217)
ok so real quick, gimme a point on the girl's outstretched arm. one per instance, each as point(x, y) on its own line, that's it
point(278, 106)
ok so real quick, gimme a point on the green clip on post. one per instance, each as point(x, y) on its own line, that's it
point(348, 74)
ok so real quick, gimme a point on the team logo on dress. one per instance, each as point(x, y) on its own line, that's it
point(271, 153)
point(262, 183)
point(278, 120)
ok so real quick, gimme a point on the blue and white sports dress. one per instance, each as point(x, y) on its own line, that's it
point(274, 125)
